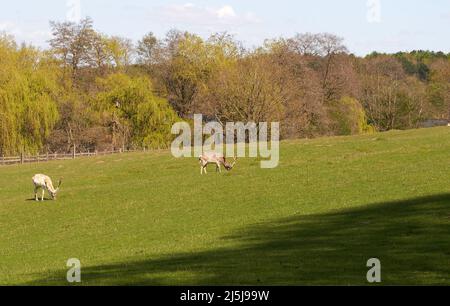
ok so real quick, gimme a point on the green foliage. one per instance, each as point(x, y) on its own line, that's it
point(28, 91)
point(308, 82)
point(148, 49)
point(438, 90)
point(120, 50)
point(414, 65)
point(193, 63)
point(129, 104)
point(349, 117)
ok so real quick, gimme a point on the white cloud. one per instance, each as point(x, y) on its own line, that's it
point(226, 12)
point(191, 14)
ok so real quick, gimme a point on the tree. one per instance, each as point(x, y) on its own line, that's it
point(391, 98)
point(73, 43)
point(101, 56)
point(89, 91)
point(249, 90)
point(121, 51)
point(149, 50)
point(135, 116)
point(28, 91)
point(305, 61)
point(349, 118)
point(190, 63)
point(79, 124)
point(438, 89)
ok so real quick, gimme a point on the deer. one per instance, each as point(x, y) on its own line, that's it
point(214, 158)
point(44, 182)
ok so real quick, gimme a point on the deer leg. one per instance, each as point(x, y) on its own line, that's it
point(203, 167)
point(43, 194)
point(218, 168)
point(35, 194)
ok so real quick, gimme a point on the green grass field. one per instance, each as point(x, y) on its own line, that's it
point(150, 219)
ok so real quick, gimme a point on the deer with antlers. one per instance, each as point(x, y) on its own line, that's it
point(217, 159)
point(44, 182)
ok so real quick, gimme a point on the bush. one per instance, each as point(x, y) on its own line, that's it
point(348, 117)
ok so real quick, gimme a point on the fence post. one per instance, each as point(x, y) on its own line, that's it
point(21, 158)
point(47, 156)
point(74, 152)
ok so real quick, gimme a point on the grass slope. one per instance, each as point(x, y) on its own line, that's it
point(148, 219)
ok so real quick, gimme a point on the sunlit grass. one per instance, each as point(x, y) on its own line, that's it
point(147, 218)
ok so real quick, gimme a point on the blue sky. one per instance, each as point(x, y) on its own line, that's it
point(366, 25)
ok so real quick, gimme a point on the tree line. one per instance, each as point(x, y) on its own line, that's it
point(97, 92)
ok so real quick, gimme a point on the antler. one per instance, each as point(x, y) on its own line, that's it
point(60, 182)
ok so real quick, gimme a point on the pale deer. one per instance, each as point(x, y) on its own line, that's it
point(214, 158)
point(43, 182)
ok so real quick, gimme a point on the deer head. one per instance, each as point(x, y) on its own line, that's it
point(55, 192)
point(229, 166)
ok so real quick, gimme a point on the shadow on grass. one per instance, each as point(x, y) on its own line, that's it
point(34, 200)
point(411, 238)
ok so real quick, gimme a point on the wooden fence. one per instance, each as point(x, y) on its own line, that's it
point(23, 158)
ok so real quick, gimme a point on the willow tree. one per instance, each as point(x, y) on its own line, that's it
point(136, 117)
point(28, 90)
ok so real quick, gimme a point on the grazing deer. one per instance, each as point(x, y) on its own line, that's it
point(43, 182)
point(214, 158)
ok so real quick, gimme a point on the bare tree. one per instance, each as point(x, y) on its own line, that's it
point(149, 50)
point(73, 43)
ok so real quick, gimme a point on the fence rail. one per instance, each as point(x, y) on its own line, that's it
point(23, 159)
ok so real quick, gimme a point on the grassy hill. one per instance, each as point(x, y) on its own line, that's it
point(148, 218)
